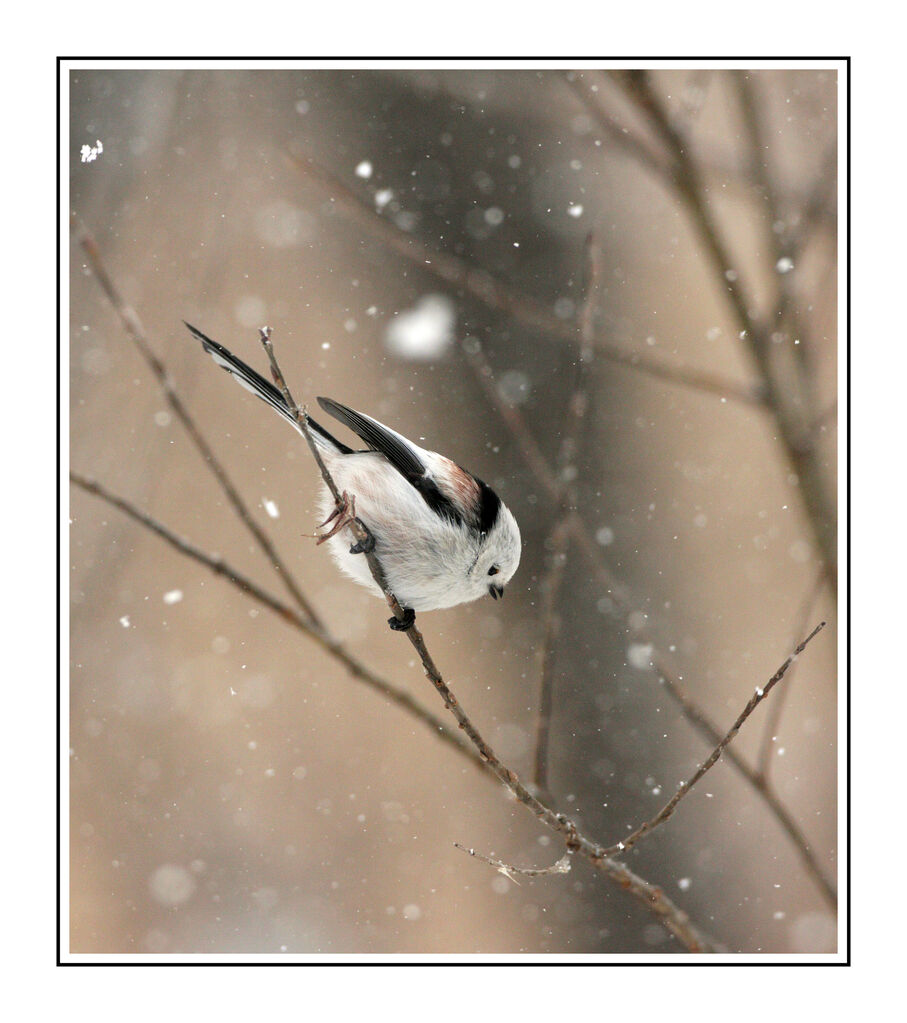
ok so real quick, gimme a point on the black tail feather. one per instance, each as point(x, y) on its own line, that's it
point(253, 381)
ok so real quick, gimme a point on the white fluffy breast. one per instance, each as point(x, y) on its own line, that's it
point(425, 557)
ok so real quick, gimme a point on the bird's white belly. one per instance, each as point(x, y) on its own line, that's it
point(425, 559)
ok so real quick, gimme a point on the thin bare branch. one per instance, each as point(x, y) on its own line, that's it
point(290, 615)
point(508, 870)
point(135, 332)
point(773, 716)
point(265, 338)
point(685, 787)
point(659, 904)
point(710, 732)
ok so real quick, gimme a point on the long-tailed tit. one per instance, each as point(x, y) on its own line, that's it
point(442, 536)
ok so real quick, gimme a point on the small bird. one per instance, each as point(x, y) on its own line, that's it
point(442, 536)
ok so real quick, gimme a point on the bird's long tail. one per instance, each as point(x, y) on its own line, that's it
point(253, 381)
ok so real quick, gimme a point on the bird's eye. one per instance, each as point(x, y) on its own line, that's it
point(493, 570)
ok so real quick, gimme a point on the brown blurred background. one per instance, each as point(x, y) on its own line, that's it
point(233, 789)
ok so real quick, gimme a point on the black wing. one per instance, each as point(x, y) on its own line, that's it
point(395, 448)
point(399, 452)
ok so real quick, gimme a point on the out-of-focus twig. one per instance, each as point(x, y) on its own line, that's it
point(818, 207)
point(567, 472)
point(135, 332)
point(786, 310)
point(499, 296)
point(551, 627)
point(785, 403)
point(289, 614)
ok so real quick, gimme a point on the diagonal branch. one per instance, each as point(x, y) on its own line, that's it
point(760, 783)
point(685, 787)
point(136, 333)
point(289, 614)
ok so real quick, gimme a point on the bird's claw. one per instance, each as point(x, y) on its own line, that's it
point(344, 513)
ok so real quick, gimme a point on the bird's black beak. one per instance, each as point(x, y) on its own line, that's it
point(496, 591)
